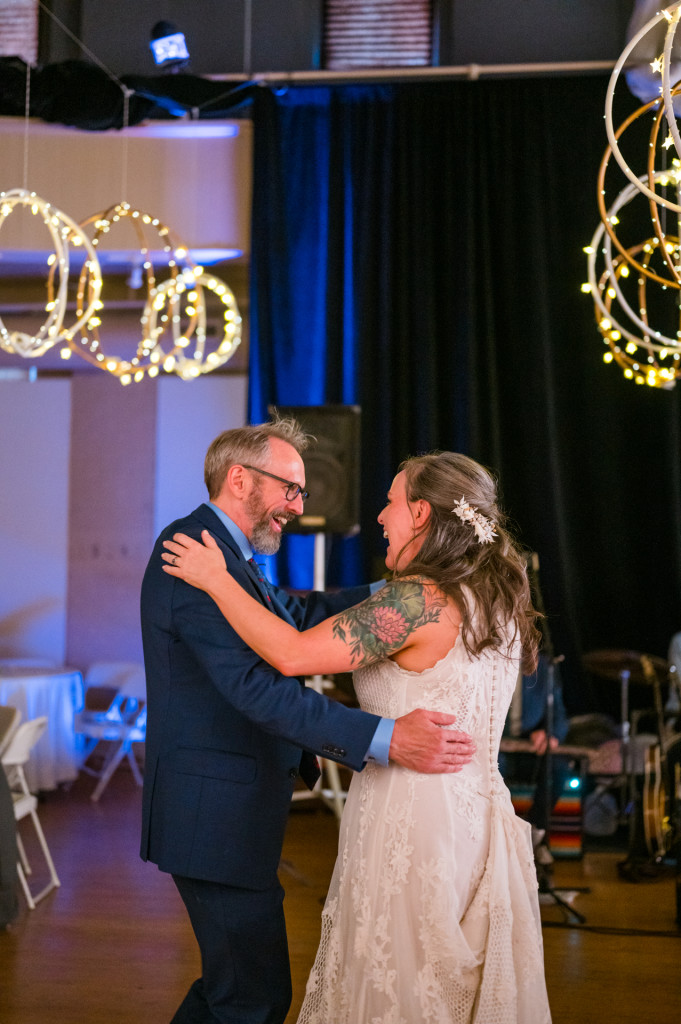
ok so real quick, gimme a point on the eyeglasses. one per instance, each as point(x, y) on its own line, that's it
point(292, 490)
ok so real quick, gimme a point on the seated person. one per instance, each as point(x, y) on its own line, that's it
point(527, 720)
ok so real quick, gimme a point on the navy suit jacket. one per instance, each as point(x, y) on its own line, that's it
point(225, 730)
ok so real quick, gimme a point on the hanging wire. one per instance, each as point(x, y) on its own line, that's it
point(248, 36)
point(93, 56)
point(27, 114)
point(127, 93)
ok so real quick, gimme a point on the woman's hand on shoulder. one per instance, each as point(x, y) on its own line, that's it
point(201, 564)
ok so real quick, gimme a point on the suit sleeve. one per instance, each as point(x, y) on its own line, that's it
point(319, 605)
point(276, 703)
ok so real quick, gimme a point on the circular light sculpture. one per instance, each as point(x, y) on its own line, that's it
point(622, 300)
point(185, 298)
point(662, 66)
point(636, 284)
point(64, 233)
point(174, 311)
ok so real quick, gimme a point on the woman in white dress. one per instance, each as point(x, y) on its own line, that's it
point(432, 913)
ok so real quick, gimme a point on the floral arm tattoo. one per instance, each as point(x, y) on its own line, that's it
point(384, 622)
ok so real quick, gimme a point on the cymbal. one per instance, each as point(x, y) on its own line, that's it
point(611, 664)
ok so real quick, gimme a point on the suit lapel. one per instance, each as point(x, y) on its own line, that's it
point(213, 523)
point(236, 563)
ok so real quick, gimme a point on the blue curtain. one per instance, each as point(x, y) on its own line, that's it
point(417, 250)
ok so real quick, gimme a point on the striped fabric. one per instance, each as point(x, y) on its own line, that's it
point(377, 33)
point(19, 29)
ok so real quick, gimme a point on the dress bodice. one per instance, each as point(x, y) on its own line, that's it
point(478, 690)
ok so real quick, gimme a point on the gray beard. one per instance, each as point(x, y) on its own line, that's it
point(263, 538)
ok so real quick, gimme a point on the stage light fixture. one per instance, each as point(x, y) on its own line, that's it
point(168, 46)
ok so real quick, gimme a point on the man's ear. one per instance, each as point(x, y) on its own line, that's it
point(236, 481)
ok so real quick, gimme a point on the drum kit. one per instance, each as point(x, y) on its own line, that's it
point(650, 778)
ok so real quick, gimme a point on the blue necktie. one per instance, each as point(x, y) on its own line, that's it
point(261, 579)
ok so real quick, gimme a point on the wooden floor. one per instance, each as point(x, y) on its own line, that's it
point(112, 945)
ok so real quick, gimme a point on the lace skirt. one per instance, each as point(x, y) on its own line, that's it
point(432, 913)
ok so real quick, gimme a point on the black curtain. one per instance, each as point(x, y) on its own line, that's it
point(418, 249)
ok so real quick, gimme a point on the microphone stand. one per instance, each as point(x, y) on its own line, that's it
point(552, 660)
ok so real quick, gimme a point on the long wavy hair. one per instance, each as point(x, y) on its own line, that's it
point(452, 556)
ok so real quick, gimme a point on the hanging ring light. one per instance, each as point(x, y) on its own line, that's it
point(174, 317)
point(64, 233)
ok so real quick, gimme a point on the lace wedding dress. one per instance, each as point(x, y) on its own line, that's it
point(432, 913)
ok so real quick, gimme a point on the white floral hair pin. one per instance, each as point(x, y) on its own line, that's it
point(484, 527)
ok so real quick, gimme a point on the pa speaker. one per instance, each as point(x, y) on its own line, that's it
point(331, 467)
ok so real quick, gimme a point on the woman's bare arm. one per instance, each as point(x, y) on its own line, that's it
point(387, 622)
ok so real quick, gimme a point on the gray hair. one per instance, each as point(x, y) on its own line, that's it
point(251, 445)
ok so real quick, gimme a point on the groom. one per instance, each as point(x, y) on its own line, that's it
point(227, 735)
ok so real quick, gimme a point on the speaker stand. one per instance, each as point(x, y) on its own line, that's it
point(328, 788)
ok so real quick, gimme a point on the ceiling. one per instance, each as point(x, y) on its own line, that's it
point(77, 169)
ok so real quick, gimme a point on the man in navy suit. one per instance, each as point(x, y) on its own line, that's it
point(227, 735)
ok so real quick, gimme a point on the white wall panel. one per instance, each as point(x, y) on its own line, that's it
point(194, 176)
point(34, 498)
point(190, 415)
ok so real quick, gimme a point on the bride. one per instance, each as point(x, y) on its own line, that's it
point(432, 913)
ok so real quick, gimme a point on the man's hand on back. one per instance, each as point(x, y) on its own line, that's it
point(419, 742)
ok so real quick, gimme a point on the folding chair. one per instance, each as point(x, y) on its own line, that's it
point(17, 753)
point(9, 720)
point(121, 724)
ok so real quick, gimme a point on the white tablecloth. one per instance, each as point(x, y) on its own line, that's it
point(57, 693)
